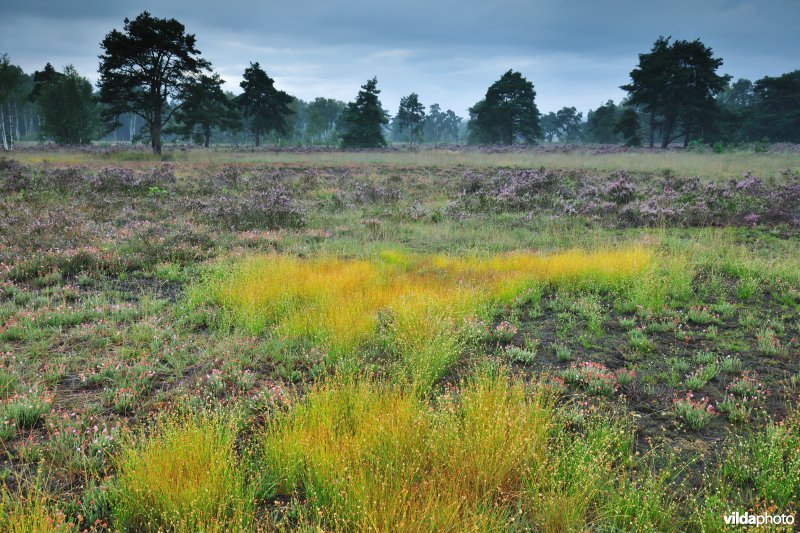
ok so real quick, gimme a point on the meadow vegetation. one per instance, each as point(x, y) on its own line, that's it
point(391, 341)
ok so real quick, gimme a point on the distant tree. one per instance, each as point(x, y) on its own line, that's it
point(12, 92)
point(441, 126)
point(145, 67)
point(410, 117)
point(738, 95)
point(323, 119)
point(675, 84)
point(262, 104)
point(43, 77)
point(550, 126)
point(600, 124)
point(70, 113)
point(628, 127)
point(777, 113)
point(204, 108)
point(507, 114)
point(297, 121)
point(363, 119)
point(569, 124)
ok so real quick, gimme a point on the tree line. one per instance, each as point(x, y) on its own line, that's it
point(155, 84)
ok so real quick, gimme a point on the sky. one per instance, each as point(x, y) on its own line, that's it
point(576, 53)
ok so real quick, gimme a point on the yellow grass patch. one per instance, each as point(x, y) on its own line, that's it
point(337, 303)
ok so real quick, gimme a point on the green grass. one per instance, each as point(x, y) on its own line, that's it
point(723, 166)
point(185, 477)
point(154, 403)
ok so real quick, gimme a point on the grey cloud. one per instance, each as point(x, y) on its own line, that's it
point(576, 53)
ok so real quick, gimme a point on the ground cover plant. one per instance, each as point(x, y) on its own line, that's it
point(387, 340)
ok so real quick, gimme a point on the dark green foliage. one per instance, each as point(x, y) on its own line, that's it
point(410, 118)
point(69, 112)
point(676, 84)
point(204, 107)
point(778, 109)
point(507, 114)
point(569, 124)
point(601, 124)
point(441, 126)
point(364, 118)
point(265, 107)
point(41, 78)
point(628, 127)
point(550, 127)
point(146, 66)
point(12, 82)
point(323, 118)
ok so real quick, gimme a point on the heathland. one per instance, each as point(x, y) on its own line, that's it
point(552, 339)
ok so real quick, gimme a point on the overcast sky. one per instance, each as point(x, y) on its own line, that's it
point(576, 53)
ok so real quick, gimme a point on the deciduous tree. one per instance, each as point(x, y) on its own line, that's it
point(70, 114)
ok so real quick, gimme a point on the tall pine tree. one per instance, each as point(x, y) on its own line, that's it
point(364, 118)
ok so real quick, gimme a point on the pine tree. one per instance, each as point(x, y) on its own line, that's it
point(364, 118)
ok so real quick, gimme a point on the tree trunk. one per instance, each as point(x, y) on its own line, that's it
point(155, 131)
point(207, 134)
point(258, 138)
point(10, 127)
point(652, 129)
point(3, 128)
point(16, 120)
point(132, 127)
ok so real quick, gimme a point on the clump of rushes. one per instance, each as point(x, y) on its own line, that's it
point(185, 477)
point(336, 303)
point(769, 344)
point(368, 456)
point(704, 358)
point(595, 378)
point(768, 463)
point(701, 315)
point(639, 341)
point(731, 365)
point(505, 331)
point(25, 410)
point(563, 353)
point(697, 414)
point(519, 355)
point(747, 386)
point(700, 377)
point(31, 512)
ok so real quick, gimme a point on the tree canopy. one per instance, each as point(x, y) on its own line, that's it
point(507, 114)
point(265, 107)
point(777, 113)
point(144, 67)
point(600, 124)
point(676, 84)
point(205, 107)
point(70, 114)
point(363, 119)
point(410, 118)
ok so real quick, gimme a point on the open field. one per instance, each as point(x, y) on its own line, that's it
point(417, 341)
point(727, 165)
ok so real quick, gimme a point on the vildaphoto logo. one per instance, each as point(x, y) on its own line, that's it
point(747, 519)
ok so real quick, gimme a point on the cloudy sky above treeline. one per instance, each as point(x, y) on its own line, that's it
point(576, 53)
